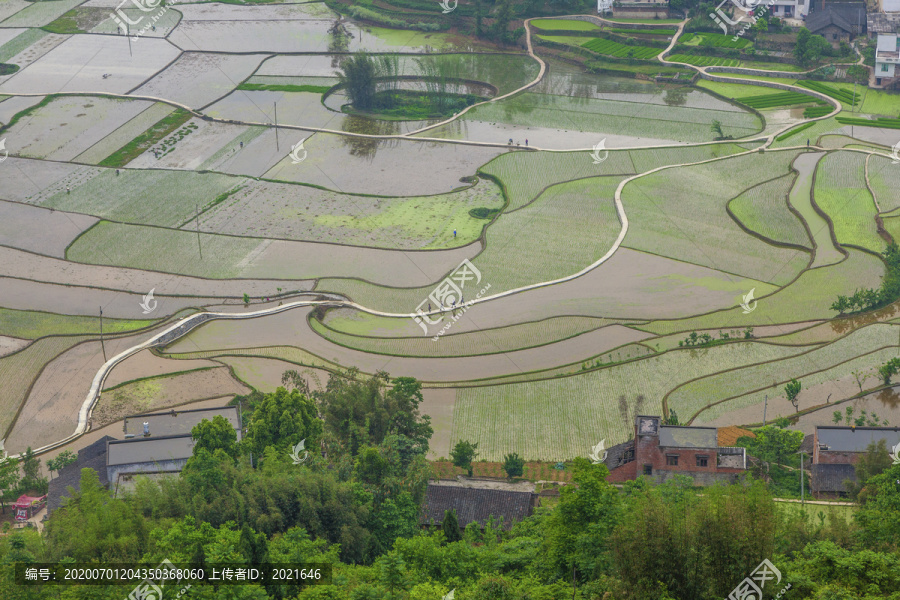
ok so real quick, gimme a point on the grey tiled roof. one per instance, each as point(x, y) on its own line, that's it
point(475, 504)
point(671, 436)
point(856, 439)
point(831, 478)
point(89, 457)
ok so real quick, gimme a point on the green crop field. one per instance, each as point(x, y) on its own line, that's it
point(807, 298)
point(734, 90)
point(20, 42)
point(526, 174)
point(840, 191)
point(764, 209)
point(150, 197)
point(613, 48)
point(567, 416)
point(30, 325)
point(713, 40)
point(884, 176)
point(689, 399)
point(680, 213)
point(490, 341)
point(139, 247)
point(703, 61)
point(764, 101)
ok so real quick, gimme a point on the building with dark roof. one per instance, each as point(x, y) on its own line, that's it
point(837, 21)
point(475, 504)
point(835, 451)
point(662, 451)
point(830, 480)
point(177, 422)
point(89, 457)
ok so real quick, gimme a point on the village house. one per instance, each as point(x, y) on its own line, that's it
point(661, 451)
point(835, 451)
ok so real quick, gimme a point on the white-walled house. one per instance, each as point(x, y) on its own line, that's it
point(887, 57)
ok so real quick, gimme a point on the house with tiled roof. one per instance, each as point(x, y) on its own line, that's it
point(835, 451)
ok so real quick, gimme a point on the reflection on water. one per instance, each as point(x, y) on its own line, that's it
point(367, 147)
point(676, 95)
point(845, 324)
point(889, 398)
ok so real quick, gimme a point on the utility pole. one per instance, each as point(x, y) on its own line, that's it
point(128, 35)
point(199, 247)
point(102, 345)
point(277, 145)
point(765, 408)
point(802, 482)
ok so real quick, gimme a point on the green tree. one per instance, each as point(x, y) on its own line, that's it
point(672, 419)
point(463, 454)
point(875, 461)
point(810, 48)
point(62, 460)
point(450, 525)
point(358, 77)
point(217, 434)
point(281, 420)
point(392, 574)
point(841, 305)
point(513, 465)
point(773, 444)
point(91, 526)
point(888, 370)
point(9, 480)
point(792, 390)
point(716, 128)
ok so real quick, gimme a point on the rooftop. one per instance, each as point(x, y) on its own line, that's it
point(680, 436)
point(855, 439)
point(475, 504)
point(728, 436)
point(831, 478)
point(179, 422)
point(152, 449)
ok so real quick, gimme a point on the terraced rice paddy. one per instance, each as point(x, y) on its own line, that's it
point(159, 168)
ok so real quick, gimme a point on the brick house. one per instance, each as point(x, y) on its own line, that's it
point(836, 449)
point(837, 21)
point(661, 451)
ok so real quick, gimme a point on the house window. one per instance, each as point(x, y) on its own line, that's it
point(702, 461)
point(884, 68)
point(834, 36)
point(671, 460)
point(648, 470)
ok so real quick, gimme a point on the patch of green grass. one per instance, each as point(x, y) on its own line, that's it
point(6, 69)
point(659, 31)
point(764, 209)
point(714, 40)
point(814, 112)
point(777, 99)
point(878, 122)
point(484, 213)
point(643, 69)
point(644, 21)
point(141, 143)
point(273, 87)
point(838, 93)
point(66, 24)
point(563, 25)
point(844, 513)
point(879, 102)
point(734, 90)
point(571, 40)
point(840, 191)
point(884, 177)
point(30, 325)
